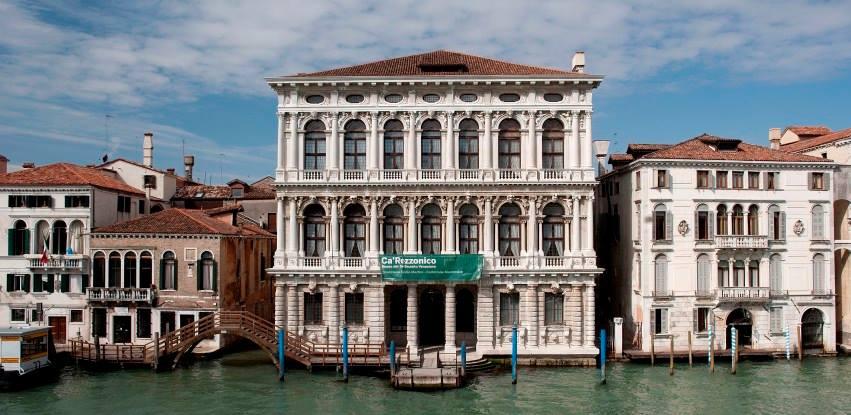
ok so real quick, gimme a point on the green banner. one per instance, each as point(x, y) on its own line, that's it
point(466, 267)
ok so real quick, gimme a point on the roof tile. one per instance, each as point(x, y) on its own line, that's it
point(178, 221)
point(803, 145)
point(67, 174)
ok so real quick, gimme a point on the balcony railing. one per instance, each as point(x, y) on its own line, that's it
point(662, 294)
point(741, 241)
point(59, 262)
point(440, 175)
point(114, 294)
point(744, 294)
point(490, 263)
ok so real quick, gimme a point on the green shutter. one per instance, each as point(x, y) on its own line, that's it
point(26, 283)
point(11, 242)
point(50, 285)
point(37, 285)
point(85, 283)
point(162, 274)
point(10, 282)
point(65, 283)
point(199, 273)
point(67, 201)
point(215, 276)
point(26, 241)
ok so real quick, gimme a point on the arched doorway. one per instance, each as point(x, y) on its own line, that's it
point(431, 317)
point(741, 320)
point(812, 329)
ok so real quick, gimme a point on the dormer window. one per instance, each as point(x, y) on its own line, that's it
point(237, 192)
point(443, 67)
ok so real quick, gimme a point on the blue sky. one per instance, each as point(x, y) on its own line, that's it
point(192, 72)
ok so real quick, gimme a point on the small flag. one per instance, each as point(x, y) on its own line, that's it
point(44, 257)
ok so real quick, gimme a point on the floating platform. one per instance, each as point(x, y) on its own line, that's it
point(427, 378)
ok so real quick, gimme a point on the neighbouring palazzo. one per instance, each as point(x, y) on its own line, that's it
point(436, 199)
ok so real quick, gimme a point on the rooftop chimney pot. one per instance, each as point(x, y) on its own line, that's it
point(774, 138)
point(188, 164)
point(28, 165)
point(578, 62)
point(148, 149)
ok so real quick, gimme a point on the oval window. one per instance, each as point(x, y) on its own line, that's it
point(553, 97)
point(432, 98)
point(393, 98)
point(354, 99)
point(509, 97)
point(469, 97)
point(314, 99)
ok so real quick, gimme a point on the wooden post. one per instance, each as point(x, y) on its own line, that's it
point(735, 349)
point(800, 346)
point(156, 361)
point(712, 352)
point(652, 350)
point(97, 347)
point(671, 358)
point(689, 349)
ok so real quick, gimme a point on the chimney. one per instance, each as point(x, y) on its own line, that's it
point(4, 164)
point(578, 62)
point(188, 163)
point(148, 149)
point(28, 165)
point(601, 150)
point(169, 170)
point(774, 138)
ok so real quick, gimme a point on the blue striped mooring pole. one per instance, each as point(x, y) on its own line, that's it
point(392, 357)
point(514, 355)
point(603, 356)
point(463, 358)
point(281, 356)
point(345, 354)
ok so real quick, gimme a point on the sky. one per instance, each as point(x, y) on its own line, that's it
point(79, 80)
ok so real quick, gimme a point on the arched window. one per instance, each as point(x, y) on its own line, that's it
point(146, 270)
point(722, 220)
point(206, 272)
point(42, 237)
point(75, 236)
point(818, 274)
point(99, 270)
point(130, 270)
point(662, 224)
point(509, 144)
point(753, 274)
point(114, 269)
point(430, 231)
point(776, 223)
point(354, 231)
point(753, 220)
point(509, 230)
point(818, 222)
point(552, 141)
point(314, 145)
point(314, 231)
point(661, 275)
point(739, 273)
point(703, 272)
point(724, 273)
point(738, 220)
point(394, 145)
point(59, 239)
point(394, 239)
point(354, 146)
point(775, 273)
point(552, 230)
point(168, 271)
point(468, 230)
point(430, 142)
point(19, 239)
point(468, 144)
point(703, 223)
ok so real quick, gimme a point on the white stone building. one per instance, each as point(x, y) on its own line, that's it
point(438, 153)
point(820, 141)
point(716, 233)
point(56, 206)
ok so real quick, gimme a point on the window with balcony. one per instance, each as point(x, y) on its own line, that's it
point(721, 179)
point(818, 274)
point(312, 308)
point(354, 146)
point(59, 238)
point(738, 274)
point(354, 231)
point(99, 270)
point(818, 223)
point(776, 223)
point(553, 309)
point(509, 144)
point(738, 219)
point(314, 145)
point(129, 270)
point(430, 145)
point(430, 235)
point(394, 239)
point(738, 180)
point(19, 239)
point(468, 229)
point(207, 272)
point(660, 321)
point(354, 308)
point(552, 230)
point(394, 145)
point(753, 220)
point(660, 266)
point(552, 151)
point(508, 234)
point(775, 273)
point(168, 272)
point(703, 271)
point(702, 319)
point(114, 278)
point(146, 270)
point(753, 274)
point(702, 179)
point(662, 224)
point(509, 309)
point(314, 231)
point(722, 220)
point(723, 273)
point(468, 144)
point(703, 223)
point(753, 180)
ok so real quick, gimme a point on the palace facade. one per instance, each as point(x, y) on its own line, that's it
point(448, 157)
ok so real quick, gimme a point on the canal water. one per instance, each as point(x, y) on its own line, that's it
point(245, 383)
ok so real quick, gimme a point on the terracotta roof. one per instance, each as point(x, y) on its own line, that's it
point(67, 174)
point(224, 209)
point(208, 192)
point(808, 130)
point(180, 179)
point(646, 147)
point(803, 145)
point(706, 147)
point(178, 221)
point(441, 63)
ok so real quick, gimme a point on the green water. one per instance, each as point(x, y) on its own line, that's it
point(246, 383)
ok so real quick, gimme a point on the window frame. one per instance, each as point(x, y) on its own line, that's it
point(553, 309)
point(354, 308)
point(312, 309)
point(509, 309)
point(430, 145)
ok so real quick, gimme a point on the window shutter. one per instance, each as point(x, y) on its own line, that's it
point(782, 226)
point(67, 201)
point(810, 181)
point(771, 224)
point(85, 283)
point(10, 234)
point(162, 274)
point(694, 320)
point(711, 225)
point(765, 180)
point(49, 284)
point(653, 322)
point(826, 180)
point(655, 179)
point(65, 283)
point(669, 226)
point(664, 321)
point(10, 282)
point(26, 283)
point(215, 276)
point(26, 241)
point(199, 275)
point(711, 179)
point(696, 226)
point(669, 182)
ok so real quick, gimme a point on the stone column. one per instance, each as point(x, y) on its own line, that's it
point(279, 228)
point(412, 317)
point(373, 228)
point(412, 227)
point(280, 305)
point(588, 246)
point(487, 228)
point(532, 153)
point(333, 314)
point(531, 228)
point(574, 227)
point(484, 317)
point(292, 232)
point(450, 226)
point(372, 147)
point(588, 317)
point(450, 318)
point(575, 323)
point(449, 141)
point(532, 314)
point(281, 142)
point(332, 144)
point(573, 154)
point(587, 157)
point(334, 234)
point(292, 308)
point(292, 145)
point(485, 145)
point(411, 143)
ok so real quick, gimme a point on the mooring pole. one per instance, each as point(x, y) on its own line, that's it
point(603, 356)
point(734, 345)
point(156, 351)
point(392, 358)
point(514, 355)
point(345, 353)
point(787, 335)
point(800, 346)
point(463, 358)
point(652, 350)
point(281, 355)
point(689, 349)
point(671, 358)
